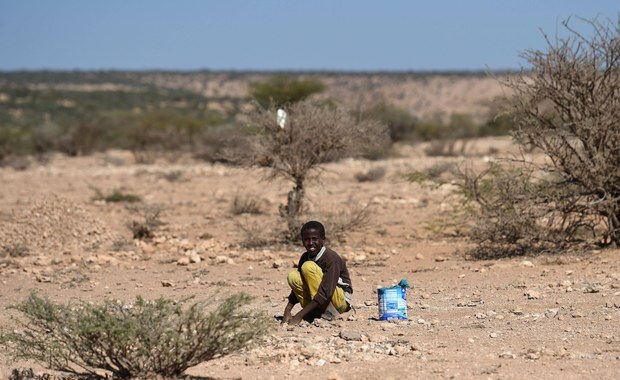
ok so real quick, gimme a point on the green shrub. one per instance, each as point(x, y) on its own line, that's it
point(145, 338)
point(402, 125)
point(282, 89)
point(117, 195)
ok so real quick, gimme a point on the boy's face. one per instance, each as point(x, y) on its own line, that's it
point(312, 240)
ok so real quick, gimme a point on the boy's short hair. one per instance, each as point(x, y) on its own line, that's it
point(314, 225)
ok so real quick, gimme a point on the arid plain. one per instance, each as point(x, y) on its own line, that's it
point(549, 316)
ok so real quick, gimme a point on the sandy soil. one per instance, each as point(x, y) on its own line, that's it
point(526, 317)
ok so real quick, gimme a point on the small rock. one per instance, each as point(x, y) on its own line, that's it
point(183, 261)
point(527, 264)
point(419, 256)
point(562, 352)
point(320, 362)
point(533, 356)
point(351, 335)
point(221, 259)
point(550, 313)
point(532, 295)
point(167, 284)
point(592, 288)
point(507, 355)
point(277, 263)
point(194, 257)
point(493, 335)
point(440, 259)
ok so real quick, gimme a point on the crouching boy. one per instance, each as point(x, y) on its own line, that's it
point(321, 283)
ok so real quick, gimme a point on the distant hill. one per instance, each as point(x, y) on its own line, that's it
point(426, 95)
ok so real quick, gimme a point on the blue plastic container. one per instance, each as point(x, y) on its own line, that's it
point(392, 303)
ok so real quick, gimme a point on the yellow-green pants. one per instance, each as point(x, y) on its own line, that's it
point(305, 285)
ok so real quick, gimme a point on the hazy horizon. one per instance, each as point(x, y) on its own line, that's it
point(277, 35)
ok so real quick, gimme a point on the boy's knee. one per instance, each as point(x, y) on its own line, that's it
point(293, 278)
point(310, 267)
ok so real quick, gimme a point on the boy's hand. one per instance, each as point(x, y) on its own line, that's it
point(295, 320)
point(286, 318)
point(287, 313)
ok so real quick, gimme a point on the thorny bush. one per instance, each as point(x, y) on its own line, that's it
point(159, 337)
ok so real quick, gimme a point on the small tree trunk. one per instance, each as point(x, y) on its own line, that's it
point(614, 227)
point(293, 207)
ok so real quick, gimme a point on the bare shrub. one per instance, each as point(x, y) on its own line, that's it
point(452, 139)
point(446, 147)
point(311, 136)
point(15, 162)
point(128, 340)
point(172, 175)
point(14, 250)
point(215, 143)
point(440, 169)
point(352, 217)
point(150, 220)
point(523, 211)
point(255, 235)
point(372, 175)
point(122, 245)
point(117, 195)
point(568, 106)
point(247, 204)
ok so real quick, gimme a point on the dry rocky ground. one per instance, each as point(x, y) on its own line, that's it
point(525, 317)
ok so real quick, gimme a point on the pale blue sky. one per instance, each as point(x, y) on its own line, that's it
point(351, 35)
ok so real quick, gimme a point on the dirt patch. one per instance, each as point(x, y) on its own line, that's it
point(527, 317)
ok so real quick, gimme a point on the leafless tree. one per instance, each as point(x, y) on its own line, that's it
point(311, 135)
point(568, 106)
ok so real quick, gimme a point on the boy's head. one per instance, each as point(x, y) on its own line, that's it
point(313, 224)
point(312, 237)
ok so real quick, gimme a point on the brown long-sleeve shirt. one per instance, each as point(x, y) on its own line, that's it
point(335, 272)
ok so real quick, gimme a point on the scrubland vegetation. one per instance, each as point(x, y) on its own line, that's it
point(566, 108)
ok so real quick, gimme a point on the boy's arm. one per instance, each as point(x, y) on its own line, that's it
point(287, 312)
point(303, 312)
